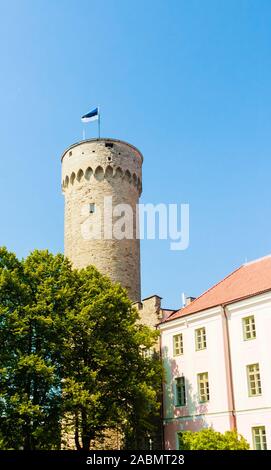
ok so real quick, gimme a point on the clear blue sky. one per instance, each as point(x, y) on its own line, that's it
point(187, 82)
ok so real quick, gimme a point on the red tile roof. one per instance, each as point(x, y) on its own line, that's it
point(250, 279)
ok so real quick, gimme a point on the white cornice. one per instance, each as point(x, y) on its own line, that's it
point(191, 318)
point(204, 314)
point(249, 302)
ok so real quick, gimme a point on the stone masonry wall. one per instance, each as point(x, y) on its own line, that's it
point(92, 170)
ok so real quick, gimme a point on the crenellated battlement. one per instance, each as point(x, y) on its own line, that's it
point(101, 159)
point(100, 173)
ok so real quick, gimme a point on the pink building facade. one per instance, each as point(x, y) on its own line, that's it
point(217, 360)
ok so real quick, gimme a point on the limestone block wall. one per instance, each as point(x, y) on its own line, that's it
point(150, 311)
point(92, 170)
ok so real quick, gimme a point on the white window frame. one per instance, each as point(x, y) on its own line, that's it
point(261, 436)
point(249, 328)
point(147, 353)
point(178, 345)
point(254, 380)
point(200, 339)
point(203, 387)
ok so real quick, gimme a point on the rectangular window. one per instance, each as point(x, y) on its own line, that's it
point(147, 353)
point(178, 345)
point(200, 338)
point(254, 380)
point(91, 208)
point(249, 329)
point(180, 391)
point(259, 438)
point(203, 387)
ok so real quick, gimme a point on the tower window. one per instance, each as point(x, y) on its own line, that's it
point(109, 159)
point(92, 208)
point(109, 145)
point(70, 153)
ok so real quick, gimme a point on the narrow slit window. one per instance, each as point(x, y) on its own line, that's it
point(92, 208)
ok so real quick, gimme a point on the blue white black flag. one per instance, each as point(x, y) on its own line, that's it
point(91, 116)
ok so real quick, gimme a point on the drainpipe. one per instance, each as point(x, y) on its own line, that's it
point(230, 389)
point(162, 394)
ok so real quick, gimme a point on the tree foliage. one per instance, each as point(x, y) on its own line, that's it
point(106, 374)
point(32, 309)
point(208, 439)
point(69, 354)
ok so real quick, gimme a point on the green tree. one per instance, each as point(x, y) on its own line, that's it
point(107, 379)
point(208, 439)
point(70, 345)
point(34, 295)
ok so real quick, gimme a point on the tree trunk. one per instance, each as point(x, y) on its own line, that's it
point(76, 432)
point(27, 437)
point(27, 428)
point(85, 431)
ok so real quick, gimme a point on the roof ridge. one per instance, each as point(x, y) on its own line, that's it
point(208, 290)
point(257, 260)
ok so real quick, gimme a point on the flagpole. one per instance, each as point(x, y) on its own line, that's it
point(99, 122)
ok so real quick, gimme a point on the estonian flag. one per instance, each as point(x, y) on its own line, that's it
point(91, 116)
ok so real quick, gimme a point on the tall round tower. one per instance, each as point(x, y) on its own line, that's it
point(101, 180)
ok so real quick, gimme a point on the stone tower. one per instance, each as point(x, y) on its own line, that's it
point(93, 171)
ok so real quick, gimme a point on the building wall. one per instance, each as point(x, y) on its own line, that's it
point(92, 171)
point(151, 314)
point(150, 311)
point(194, 415)
point(249, 411)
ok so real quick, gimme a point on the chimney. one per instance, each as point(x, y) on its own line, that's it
point(189, 300)
point(186, 300)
